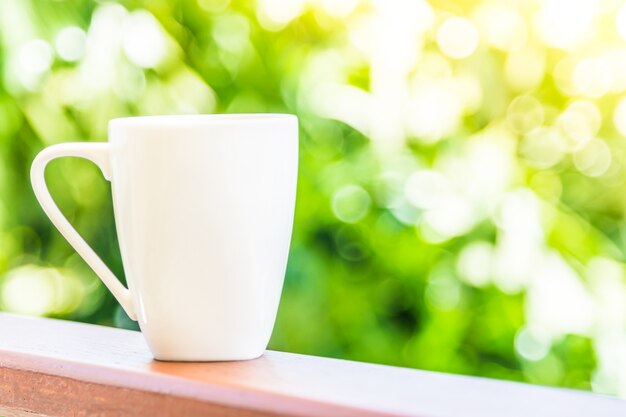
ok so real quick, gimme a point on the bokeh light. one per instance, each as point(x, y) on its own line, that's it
point(35, 290)
point(532, 344)
point(35, 56)
point(524, 69)
point(351, 203)
point(70, 43)
point(275, 14)
point(143, 40)
point(581, 122)
point(593, 159)
point(565, 24)
point(620, 21)
point(544, 147)
point(475, 263)
point(457, 37)
point(502, 26)
point(619, 116)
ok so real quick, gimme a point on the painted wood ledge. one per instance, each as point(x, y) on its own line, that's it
point(59, 368)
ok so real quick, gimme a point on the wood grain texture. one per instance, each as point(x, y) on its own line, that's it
point(57, 368)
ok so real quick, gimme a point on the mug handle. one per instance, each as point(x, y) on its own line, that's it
point(98, 153)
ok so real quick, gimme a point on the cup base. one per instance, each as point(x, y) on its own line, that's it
point(225, 358)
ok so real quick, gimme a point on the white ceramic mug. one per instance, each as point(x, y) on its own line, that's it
point(204, 210)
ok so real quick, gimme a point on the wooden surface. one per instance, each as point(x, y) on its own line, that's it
point(56, 368)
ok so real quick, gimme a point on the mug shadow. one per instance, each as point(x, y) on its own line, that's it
point(235, 373)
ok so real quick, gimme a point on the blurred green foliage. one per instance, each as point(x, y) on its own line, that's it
point(461, 188)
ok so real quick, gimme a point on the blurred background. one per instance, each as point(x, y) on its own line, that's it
point(462, 182)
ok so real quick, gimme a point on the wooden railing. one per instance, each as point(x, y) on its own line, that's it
point(58, 368)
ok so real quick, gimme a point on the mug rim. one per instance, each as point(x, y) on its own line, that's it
point(212, 118)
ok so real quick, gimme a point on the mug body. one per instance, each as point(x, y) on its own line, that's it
point(204, 210)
